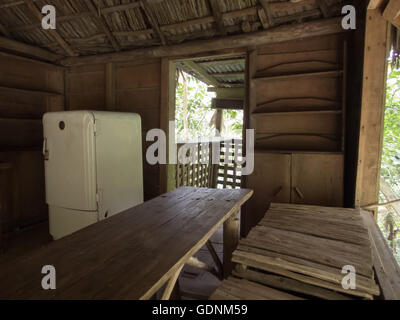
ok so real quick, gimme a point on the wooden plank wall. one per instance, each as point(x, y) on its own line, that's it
point(28, 89)
point(123, 87)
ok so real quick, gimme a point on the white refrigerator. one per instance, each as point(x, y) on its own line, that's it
point(93, 167)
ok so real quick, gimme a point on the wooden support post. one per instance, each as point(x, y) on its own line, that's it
point(231, 240)
point(372, 109)
point(171, 284)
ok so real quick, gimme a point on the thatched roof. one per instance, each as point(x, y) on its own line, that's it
point(86, 27)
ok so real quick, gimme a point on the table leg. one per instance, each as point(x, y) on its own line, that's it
point(231, 241)
point(171, 284)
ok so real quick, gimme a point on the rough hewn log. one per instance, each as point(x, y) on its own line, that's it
point(27, 50)
point(274, 35)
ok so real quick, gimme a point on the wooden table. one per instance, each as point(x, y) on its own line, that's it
point(130, 255)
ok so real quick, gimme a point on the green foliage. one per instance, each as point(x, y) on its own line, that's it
point(200, 119)
point(388, 219)
point(390, 168)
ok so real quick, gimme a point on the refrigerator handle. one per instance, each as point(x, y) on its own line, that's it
point(45, 151)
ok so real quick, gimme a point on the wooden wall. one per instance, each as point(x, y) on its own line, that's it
point(122, 87)
point(28, 89)
point(297, 95)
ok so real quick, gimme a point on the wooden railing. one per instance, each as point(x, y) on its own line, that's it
point(201, 172)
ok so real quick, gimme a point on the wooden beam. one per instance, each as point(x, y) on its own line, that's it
point(28, 50)
point(103, 25)
point(274, 35)
point(228, 93)
point(202, 73)
point(268, 12)
point(375, 4)
point(231, 104)
point(324, 8)
point(372, 109)
point(288, 5)
point(153, 21)
point(121, 7)
point(392, 12)
point(203, 20)
point(217, 16)
point(53, 33)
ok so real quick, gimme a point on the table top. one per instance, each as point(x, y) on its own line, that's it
point(129, 255)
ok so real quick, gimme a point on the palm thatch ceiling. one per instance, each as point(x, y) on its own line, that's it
point(87, 27)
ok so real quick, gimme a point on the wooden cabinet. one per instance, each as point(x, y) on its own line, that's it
point(270, 182)
point(317, 179)
point(302, 178)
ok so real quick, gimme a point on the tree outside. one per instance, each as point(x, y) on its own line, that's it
point(194, 116)
point(389, 217)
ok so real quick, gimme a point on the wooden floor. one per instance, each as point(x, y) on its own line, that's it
point(300, 250)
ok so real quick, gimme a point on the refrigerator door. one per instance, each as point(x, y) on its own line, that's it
point(70, 164)
point(118, 162)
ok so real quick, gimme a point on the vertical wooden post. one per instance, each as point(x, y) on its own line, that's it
point(231, 240)
point(372, 110)
point(168, 83)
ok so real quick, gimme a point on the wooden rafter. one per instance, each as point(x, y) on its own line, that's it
point(268, 12)
point(202, 73)
point(53, 33)
point(392, 12)
point(289, 5)
point(27, 50)
point(103, 25)
point(324, 8)
point(374, 4)
point(121, 7)
point(216, 11)
point(153, 21)
point(275, 35)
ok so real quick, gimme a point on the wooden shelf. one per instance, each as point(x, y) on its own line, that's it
point(25, 91)
point(284, 113)
point(323, 74)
